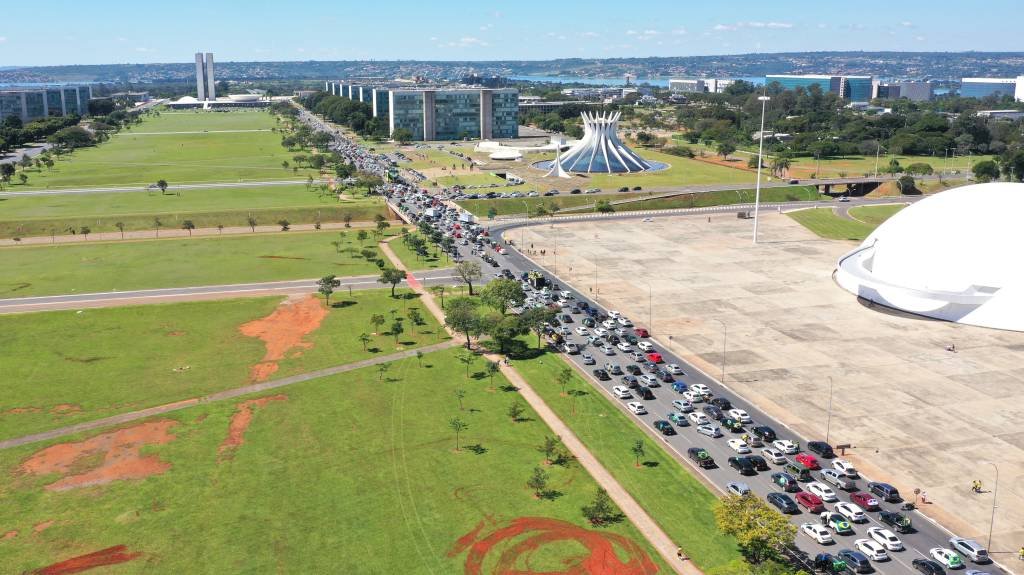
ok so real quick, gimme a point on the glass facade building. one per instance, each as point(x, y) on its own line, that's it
point(35, 103)
point(984, 87)
point(406, 111)
point(856, 88)
point(457, 115)
point(853, 88)
point(504, 114)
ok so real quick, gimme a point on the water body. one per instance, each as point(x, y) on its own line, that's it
point(659, 82)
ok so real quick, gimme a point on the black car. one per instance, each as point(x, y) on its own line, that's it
point(601, 375)
point(758, 462)
point(743, 465)
point(783, 502)
point(856, 561)
point(589, 322)
point(821, 448)
point(928, 567)
point(633, 369)
point(565, 318)
point(764, 432)
point(645, 393)
point(701, 457)
point(575, 191)
point(713, 412)
point(632, 339)
point(722, 403)
point(630, 381)
point(885, 491)
point(786, 482)
point(650, 366)
point(666, 377)
point(624, 189)
point(664, 427)
point(897, 521)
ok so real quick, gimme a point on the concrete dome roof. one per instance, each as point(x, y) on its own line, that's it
point(954, 256)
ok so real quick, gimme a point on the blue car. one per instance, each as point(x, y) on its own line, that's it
point(679, 387)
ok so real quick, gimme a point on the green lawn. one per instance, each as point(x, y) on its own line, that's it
point(111, 360)
point(725, 197)
point(413, 262)
point(348, 474)
point(138, 157)
point(680, 504)
point(875, 215)
point(468, 180)
point(209, 260)
point(826, 224)
point(506, 206)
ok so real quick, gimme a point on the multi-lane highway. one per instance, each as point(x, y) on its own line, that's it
point(926, 535)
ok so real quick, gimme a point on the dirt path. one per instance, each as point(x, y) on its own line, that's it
point(629, 506)
point(219, 396)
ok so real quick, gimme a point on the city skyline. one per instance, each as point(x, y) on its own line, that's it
point(534, 31)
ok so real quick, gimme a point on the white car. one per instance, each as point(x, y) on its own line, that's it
point(682, 405)
point(646, 346)
point(740, 415)
point(582, 331)
point(624, 321)
point(698, 418)
point(609, 324)
point(624, 346)
point(852, 512)
point(786, 446)
point(823, 491)
point(621, 331)
point(701, 389)
point(674, 369)
point(588, 359)
point(621, 392)
point(709, 430)
point(886, 538)
point(600, 332)
point(637, 356)
point(737, 488)
point(613, 314)
point(774, 455)
point(637, 407)
point(562, 330)
point(649, 380)
point(693, 396)
point(607, 349)
point(738, 445)
point(946, 557)
point(873, 549)
point(818, 532)
point(845, 467)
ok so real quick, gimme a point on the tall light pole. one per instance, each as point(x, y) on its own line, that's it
point(522, 232)
point(828, 420)
point(760, 153)
point(650, 307)
point(995, 493)
point(725, 339)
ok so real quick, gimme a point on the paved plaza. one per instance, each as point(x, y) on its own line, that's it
point(918, 415)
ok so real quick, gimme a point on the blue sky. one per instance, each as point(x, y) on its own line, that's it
point(108, 31)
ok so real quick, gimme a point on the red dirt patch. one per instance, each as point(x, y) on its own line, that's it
point(520, 538)
point(9, 535)
point(17, 410)
point(121, 458)
point(175, 333)
point(64, 408)
point(283, 330)
point(40, 527)
point(108, 556)
point(240, 422)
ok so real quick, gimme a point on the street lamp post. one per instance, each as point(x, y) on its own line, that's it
point(995, 493)
point(760, 153)
point(522, 232)
point(725, 339)
point(828, 420)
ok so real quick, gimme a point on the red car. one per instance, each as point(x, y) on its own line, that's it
point(808, 461)
point(641, 332)
point(867, 501)
point(655, 357)
point(810, 501)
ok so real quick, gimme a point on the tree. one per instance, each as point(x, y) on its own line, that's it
point(638, 450)
point(725, 148)
point(252, 223)
point(468, 272)
point(419, 358)
point(458, 426)
point(325, 286)
point(284, 164)
point(986, 171)
point(538, 482)
point(120, 228)
point(157, 223)
point(162, 184)
point(466, 358)
point(462, 316)
point(285, 225)
point(920, 169)
point(415, 317)
point(188, 225)
point(381, 370)
point(438, 291)
point(361, 236)
point(564, 377)
point(402, 136)
point(377, 320)
point(503, 329)
point(535, 318)
point(23, 178)
point(759, 530)
point(502, 294)
point(515, 411)
point(368, 254)
point(85, 231)
point(347, 218)
point(381, 226)
point(397, 329)
point(491, 212)
point(604, 207)
point(550, 448)
point(906, 184)
point(460, 394)
point(391, 276)
point(601, 510)
point(779, 165)
point(492, 368)
point(364, 338)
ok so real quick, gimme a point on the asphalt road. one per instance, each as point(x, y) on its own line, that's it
point(927, 534)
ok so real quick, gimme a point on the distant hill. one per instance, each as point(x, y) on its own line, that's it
point(919, 65)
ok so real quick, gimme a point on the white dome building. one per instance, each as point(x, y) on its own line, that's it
point(954, 256)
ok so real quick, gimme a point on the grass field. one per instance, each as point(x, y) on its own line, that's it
point(680, 504)
point(151, 151)
point(413, 262)
point(110, 360)
point(180, 262)
point(347, 474)
point(875, 215)
point(507, 206)
point(825, 223)
point(856, 166)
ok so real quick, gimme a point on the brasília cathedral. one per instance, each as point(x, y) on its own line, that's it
point(599, 150)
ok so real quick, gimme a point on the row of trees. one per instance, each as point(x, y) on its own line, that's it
point(347, 112)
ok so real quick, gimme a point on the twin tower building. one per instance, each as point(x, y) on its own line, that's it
point(204, 77)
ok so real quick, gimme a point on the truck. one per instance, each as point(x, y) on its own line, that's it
point(537, 280)
point(430, 213)
point(467, 218)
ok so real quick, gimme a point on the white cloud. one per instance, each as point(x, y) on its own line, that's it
point(590, 35)
point(141, 49)
point(919, 38)
point(907, 24)
point(631, 32)
point(486, 27)
point(465, 42)
point(724, 28)
point(433, 38)
point(822, 26)
point(643, 34)
point(752, 25)
point(679, 32)
point(3, 39)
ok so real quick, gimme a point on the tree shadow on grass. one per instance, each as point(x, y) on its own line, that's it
point(651, 464)
point(509, 388)
point(343, 304)
point(477, 449)
point(373, 349)
point(407, 295)
point(578, 392)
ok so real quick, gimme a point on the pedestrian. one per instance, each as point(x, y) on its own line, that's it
point(1020, 554)
point(924, 497)
point(681, 556)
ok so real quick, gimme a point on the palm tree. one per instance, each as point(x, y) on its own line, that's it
point(120, 227)
point(188, 225)
point(779, 165)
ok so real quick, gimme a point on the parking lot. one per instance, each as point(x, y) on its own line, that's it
point(920, 417)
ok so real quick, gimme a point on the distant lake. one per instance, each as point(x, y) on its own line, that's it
point(659, 82)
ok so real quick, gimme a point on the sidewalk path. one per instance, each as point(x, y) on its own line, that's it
point(219, 396)
point(629, 506)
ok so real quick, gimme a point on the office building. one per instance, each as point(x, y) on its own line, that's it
point(915, 91)
point(984, 87)
point(1011, 115)
point(205, 88)
point(42, 102)
point(454, 114)
point(380, 103)
point(853, 88)
point(698, 86)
